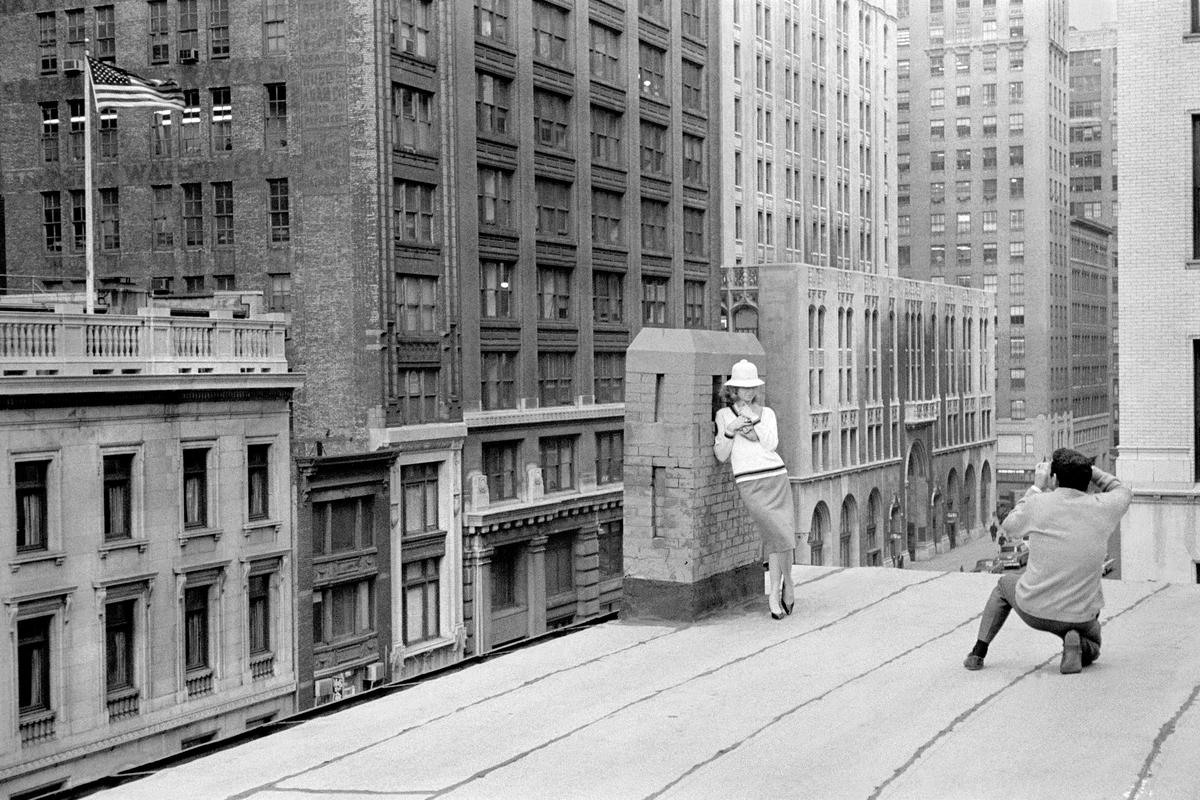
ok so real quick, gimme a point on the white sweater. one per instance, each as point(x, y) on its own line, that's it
point(750, 460)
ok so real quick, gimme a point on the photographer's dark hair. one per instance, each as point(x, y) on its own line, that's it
point(1072, 468)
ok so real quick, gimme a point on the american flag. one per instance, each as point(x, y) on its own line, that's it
point(113, 87)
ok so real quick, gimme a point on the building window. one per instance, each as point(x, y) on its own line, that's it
point(52, 221)
point(612, 557)
point(606, 137)
point(412, 212)
point(1016, 188)
point(962, 96)
point(1016, 315)
point(1195, 176)
point(557, 462)
point(78, 221)
point(607, 297)
point(422, 605)
point(32, 501)
point(962, 159)
point(416, 304)
point(106, 34)
point(110, 219)
point(491, 19)
point(693, 304)
point(417, 394)
point(118, 496)
point(48, 42)
point(610, 454)
point(937, 224)
point(1016, 91)
point(275, 27)
point(692, 81)
point(654, 301)
point(1016, 378)
point(49, 132)
point(1016, 252)
point(160, 31)
point(492, 102)
point(963, 222)
point(258, 606)
point(1016, 348)
point(413, 110)
point(654, 226)
point(189, 34)
point(419, 485)
point(343, 525)
point(652, 70)
point(695, 240)
point(218, 29)
point(223, 212)
point(343, 611)
point(1017, 409)
point(508, 578)
point(189, 131)
point(119, 635)
point(553, 207)
point(222, 120)
point(608, 217)
point(75, 130)
point(410, 26)
point(275, 123)
point(496, 289)
point(693, 160)
point(498, 380)
point(278, 210)
point(195, 623)
point(604, 53)
point(556, 379)
point(549, 33)
point(500, 466)
point(258, 480)
point(193, 215)
point(279, 293)
point(609, 377)
point(560, 564)
point(195, 487)
point(33, 665)
point(654, 149)
point(554, 293)
point(550, 116)
point(495, 196)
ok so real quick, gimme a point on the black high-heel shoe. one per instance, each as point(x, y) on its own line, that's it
point(787, 607)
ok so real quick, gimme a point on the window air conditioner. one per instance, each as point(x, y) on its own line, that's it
point(71, 65)
point(189, 56)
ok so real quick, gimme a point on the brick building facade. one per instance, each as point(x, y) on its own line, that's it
point(1159, 176)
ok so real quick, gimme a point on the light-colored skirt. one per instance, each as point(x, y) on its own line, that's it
point(769, 501)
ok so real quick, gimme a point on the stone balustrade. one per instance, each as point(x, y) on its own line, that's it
point(73, 344)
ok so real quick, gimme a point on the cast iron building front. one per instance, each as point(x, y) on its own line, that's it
point(982, 195)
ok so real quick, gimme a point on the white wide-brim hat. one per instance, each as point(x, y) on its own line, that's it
point(744, 375)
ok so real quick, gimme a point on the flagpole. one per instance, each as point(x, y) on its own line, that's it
point(89, 246)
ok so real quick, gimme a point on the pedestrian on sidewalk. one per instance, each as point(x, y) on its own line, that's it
point(1067, 530)
point(747, 435)
point(993, 527)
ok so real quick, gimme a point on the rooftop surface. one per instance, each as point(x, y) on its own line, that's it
point(860, 693)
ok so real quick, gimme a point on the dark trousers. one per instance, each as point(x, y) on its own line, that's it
point(1004, 599)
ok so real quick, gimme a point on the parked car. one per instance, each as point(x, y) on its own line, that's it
point(1013, 555)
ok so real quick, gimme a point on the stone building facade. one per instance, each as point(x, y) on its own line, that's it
point(884, 392)
point(149, 585)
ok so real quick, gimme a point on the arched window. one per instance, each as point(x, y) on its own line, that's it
point(870, 551)
point(848, 528)
point(818, 533)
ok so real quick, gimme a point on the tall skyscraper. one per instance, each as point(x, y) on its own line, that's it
point(982, 195)
point(1094, 190)
point(806, 138)
point(1159, 172)
point(466, 210)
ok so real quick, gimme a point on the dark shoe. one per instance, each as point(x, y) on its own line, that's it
point(1090, 652)
point(973, 662)
point(1072, 656)
point(787, 607)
